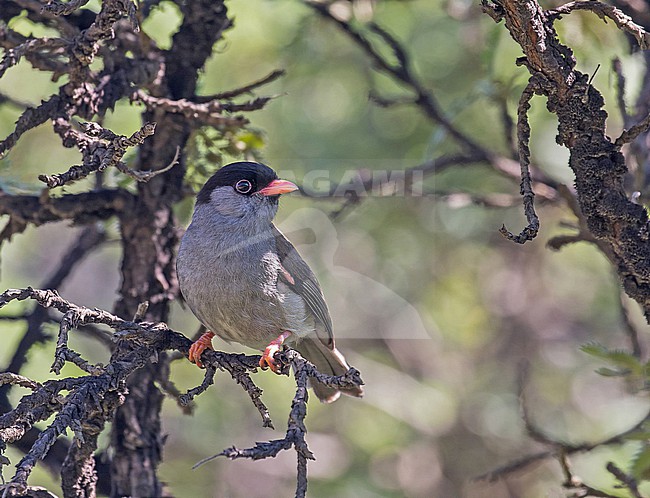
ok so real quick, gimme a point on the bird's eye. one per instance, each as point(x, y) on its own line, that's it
point(243, 186)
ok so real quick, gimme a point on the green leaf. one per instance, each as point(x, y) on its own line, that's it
point(595, 349)
point(609, 372)
point(616, 357)
point(252, 139)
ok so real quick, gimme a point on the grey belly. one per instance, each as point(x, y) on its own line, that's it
point(238, 308)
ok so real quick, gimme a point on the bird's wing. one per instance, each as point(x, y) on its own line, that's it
point(303, 282)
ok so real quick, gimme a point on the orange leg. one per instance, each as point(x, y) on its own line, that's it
point(201, 344)
point(273, 347)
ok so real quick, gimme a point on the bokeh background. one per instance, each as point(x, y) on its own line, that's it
point(429, 301)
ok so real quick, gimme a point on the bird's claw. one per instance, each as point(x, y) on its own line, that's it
point(196, 349)
point(268, 360)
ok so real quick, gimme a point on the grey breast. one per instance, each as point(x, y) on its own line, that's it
point(230, 282)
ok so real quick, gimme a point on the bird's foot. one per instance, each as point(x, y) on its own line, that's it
point(274, 346)
point(196, 349)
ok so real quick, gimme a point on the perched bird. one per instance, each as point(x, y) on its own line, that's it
point(246, 282)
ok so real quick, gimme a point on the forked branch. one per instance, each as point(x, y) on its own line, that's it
point(91, 400)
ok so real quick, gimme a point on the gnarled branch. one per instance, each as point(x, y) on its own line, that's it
point(93, 399)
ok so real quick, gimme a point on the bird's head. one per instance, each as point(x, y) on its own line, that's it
point(244, 191)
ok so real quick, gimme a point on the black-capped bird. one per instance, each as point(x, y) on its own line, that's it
point(246, 282)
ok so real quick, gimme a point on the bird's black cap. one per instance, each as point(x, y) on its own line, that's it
point(258, 174)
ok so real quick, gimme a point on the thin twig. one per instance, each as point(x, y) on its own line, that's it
point(605, 11)
point(31, 118)
point(208, 380)
point(41, 46)
point(43, 60)
point(17, 380)
point(278, 73)
point(630, 134)
point(620, 88)
point(523, 138)
point(629, 481)
point(145, 176)
point(557, 449)
point(630, 328)
point(296, 431)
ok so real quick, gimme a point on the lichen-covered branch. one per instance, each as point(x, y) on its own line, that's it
point(104, 152)
point(90, 238)
point(34, 45)
point(93, 399)
point(605, 11)
point(31, 118)
point(86, 44)
point(296, 430)
point(209, 113)
point(9, 378)
point(526, 188)
point(278, 73)
point(64, 8)
point(45, 54)
point(607, 215)
point(620, 224)
point(84, 207)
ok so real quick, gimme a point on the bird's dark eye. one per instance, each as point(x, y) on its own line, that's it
point(243, 186)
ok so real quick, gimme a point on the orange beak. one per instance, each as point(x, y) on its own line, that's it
point(278, 187)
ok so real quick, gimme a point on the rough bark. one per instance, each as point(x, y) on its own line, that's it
point(149, 239)
point(620, 225)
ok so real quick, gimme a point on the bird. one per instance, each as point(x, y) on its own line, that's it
point(245, 281)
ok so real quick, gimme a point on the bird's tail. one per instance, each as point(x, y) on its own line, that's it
point(329, 362)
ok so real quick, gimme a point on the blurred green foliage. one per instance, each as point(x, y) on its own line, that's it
point(454, 308)
point(208, 149)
